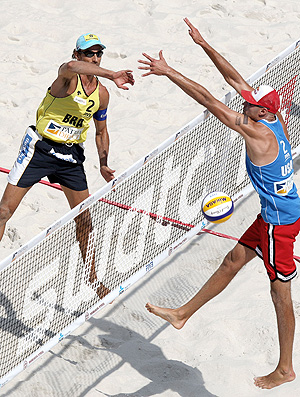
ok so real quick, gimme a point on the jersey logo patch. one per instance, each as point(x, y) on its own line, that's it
point(282, 188)
point(52, 128)
point(79, 100)
point(62, 132)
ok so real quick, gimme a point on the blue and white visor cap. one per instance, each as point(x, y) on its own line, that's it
point(88, 40)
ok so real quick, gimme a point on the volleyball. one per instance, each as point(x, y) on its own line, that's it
point(217, 207)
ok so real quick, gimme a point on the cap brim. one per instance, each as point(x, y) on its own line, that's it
point(248, 97)
point(90, 44)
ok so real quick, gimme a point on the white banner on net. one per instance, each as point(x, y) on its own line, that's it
point(95, 252)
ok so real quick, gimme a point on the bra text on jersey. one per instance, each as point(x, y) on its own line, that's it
point(74, 120)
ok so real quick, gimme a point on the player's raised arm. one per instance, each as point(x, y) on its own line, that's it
point(229, 73)
point(160, 67)
point(234, 120)
point(72, 68)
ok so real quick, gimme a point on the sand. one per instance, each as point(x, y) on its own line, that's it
point(125, 351)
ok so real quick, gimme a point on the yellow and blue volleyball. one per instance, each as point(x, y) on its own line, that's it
point(217, 207)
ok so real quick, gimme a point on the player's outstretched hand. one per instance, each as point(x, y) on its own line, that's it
point(194, 33)
point(154, 66)
point(123, 77)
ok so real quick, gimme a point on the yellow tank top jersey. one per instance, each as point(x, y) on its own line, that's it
point(66, 120)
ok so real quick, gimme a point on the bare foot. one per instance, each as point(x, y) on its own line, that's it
point(274, 379)
point(170, 315)
point(100, 288)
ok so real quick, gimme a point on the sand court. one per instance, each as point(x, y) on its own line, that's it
point(123, 350)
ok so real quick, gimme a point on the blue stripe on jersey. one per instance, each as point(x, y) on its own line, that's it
point(280, 203)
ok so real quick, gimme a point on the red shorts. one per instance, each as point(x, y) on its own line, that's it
point(275, 245)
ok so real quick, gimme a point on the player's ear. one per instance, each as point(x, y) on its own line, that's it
point(75, 55)
point(263, 112)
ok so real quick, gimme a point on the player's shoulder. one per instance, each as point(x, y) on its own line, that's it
point(265, 130)
point(103, 91)
point(63, 85)
point(251, 128)
point(283, 124)
point(280, 118)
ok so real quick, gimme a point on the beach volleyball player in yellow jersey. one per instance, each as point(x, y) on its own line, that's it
point(54, 146)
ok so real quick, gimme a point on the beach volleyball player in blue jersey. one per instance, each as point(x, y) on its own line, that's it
point(270, 168)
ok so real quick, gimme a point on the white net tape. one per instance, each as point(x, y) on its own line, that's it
point(47, 289)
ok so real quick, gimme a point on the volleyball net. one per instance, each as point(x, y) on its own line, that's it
point(95, 252)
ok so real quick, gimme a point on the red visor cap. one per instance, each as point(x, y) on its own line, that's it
point(264, 96)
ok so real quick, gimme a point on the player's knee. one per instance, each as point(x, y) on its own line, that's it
point(231, 264)
point(84, 221)
point(5, 213)
point(281, 296)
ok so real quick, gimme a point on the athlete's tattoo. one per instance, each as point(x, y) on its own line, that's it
point(238, 120)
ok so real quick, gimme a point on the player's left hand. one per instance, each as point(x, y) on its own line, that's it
point(123, 77)
point(107, 173)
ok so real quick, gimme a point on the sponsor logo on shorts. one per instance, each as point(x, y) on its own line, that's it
point(24, 148)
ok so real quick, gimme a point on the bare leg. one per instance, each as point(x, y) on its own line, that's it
point(281, 296)
point(83, 229)
point(232, 263)
point(10, 201)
